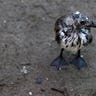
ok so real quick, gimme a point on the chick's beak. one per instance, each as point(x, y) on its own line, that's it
point(94, 24)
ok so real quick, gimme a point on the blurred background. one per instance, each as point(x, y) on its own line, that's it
point(27, 47)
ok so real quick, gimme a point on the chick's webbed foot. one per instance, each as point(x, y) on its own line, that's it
point(59, 61)
point(79, 62)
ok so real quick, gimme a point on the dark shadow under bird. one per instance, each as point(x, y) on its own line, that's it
point(72, 33)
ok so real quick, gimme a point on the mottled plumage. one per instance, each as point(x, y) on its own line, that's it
point(72, 33)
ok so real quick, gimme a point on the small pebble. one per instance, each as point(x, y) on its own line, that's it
point(49, 44)
point(43, 18)
point(4, 21)
point(80, 94)
point(71, 89)
point(24, 70)
point(30, 93)
point(47, 79)
point(22, 1)
point(12, 83)
point(60, 68)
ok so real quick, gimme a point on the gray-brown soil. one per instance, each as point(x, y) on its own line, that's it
point(27, 48)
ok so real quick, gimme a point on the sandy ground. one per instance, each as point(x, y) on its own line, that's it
point(27, 48)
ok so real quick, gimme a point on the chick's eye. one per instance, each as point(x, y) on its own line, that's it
point(82, 22)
